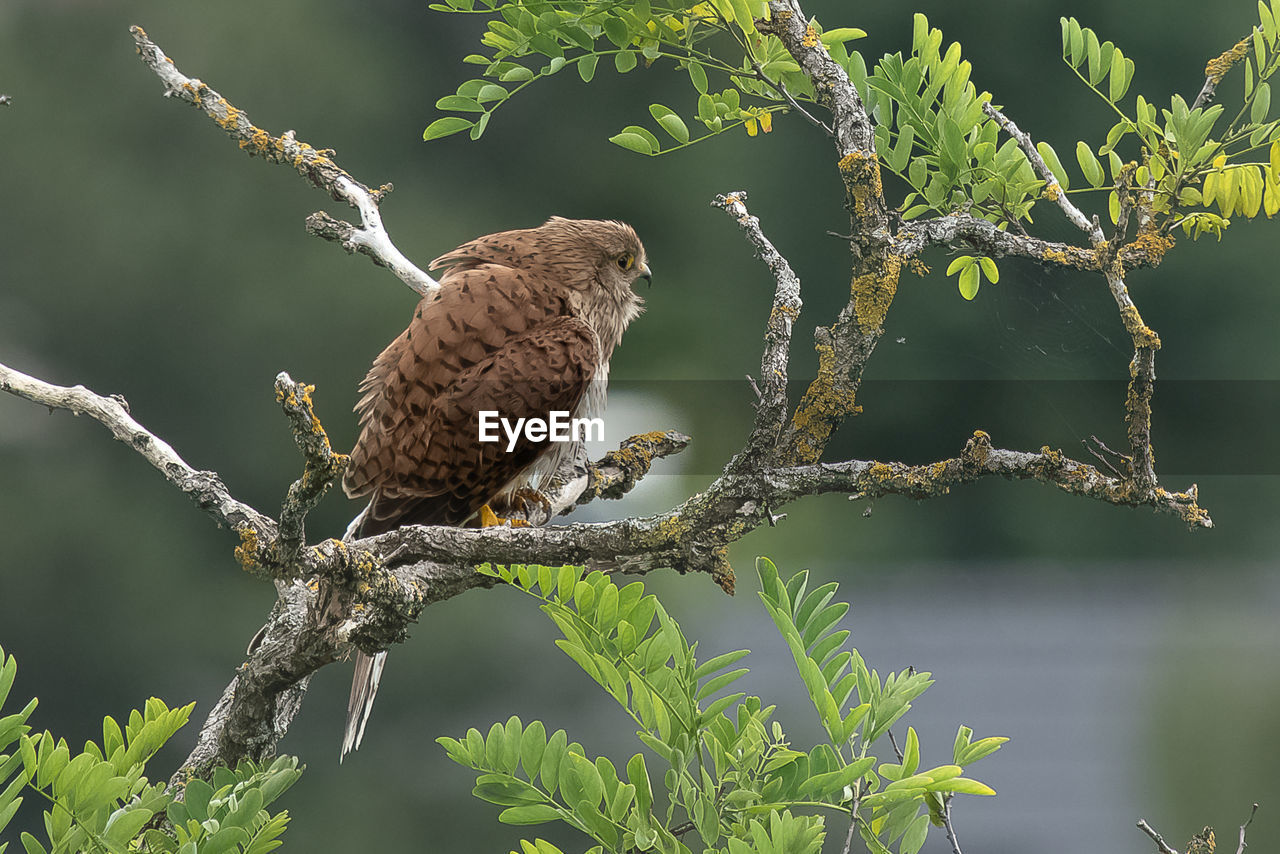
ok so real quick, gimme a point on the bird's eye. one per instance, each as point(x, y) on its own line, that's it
point(626, 261)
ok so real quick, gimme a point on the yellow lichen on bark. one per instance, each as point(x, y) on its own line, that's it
point(978, 448)
point(873, 293)
point(1217, 68)
point(1152, 245)
point(1143, 336)
point(821, 408)
point(861, 174)
point(247, 552)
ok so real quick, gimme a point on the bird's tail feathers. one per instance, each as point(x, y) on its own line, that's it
point(364, 687)
point(368, 672)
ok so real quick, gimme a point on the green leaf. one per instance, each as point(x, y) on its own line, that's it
point(1093, 52)
point(529, 814)
point(533, 743)
point(911, 753)
point(445, 127)
point(1076, 43)
point(638, 775)
point(581, 782)
point(989, 269)
point(196, 796)
point(821, 785)
point(624, 61)
point(963, 786)
point(698, 75)
point(459, 103)
point(587, 67)
point(969, 282)
point(124, 824)
point(913, 837)
point(517, 74)
point(1261, 103)
point(493, 747)
point(634, 142)
point(720, 662)
point(840, 35)
point(505, 790)
point(670, 122)
point(963, 262)
point(552, 758)
point(616, 30)
point(1055, 165)
point(1089, 165)
point(492, 92)
point(720, 682)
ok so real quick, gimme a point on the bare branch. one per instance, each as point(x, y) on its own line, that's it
point(205, 488)
point(970, 232)
point(316, 165)
point(1244, 827)
point(772, 409)
point(1053, 190)
point(1163, 846)
point(1142, 369)
point(781, 88)
point(946, 822)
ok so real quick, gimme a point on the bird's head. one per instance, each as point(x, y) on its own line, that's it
point(615, 259)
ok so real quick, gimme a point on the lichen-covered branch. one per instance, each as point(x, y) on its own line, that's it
point(831, 84)
point(205, 488)
point(1217, 68)
point(316, 165)
point(1142, 368)
point(617, 472)
point(968, 232)
point(322, 470)
point(772, 407)
point(844, 346)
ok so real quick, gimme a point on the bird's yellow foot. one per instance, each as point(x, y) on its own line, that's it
point(489, 519)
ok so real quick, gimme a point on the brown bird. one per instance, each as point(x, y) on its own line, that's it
point(523, 324)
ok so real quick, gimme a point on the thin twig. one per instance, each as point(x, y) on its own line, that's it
point(781, 88)
point(894, 742)
point(1105, 461)
point(772, 409)
point(1053, 190)
point(950, 828)
point(1240, 848)
point(1163, 846)
point(316, 165)
point(848, 838)
point(205, 488)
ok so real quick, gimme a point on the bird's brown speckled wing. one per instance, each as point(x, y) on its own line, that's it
point(489, 339)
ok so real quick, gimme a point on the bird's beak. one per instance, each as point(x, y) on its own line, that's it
point(645, 274)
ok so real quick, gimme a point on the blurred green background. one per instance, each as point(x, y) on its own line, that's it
point(1134, 664)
